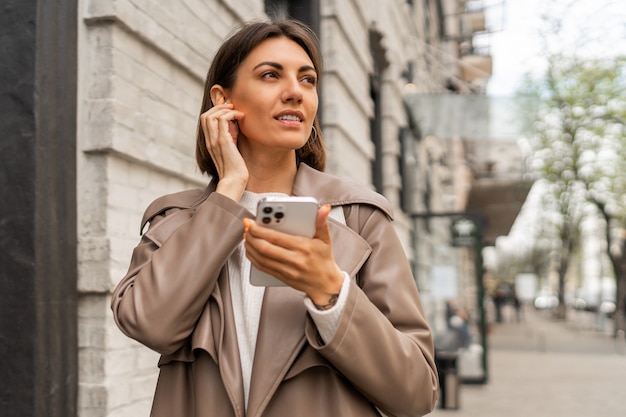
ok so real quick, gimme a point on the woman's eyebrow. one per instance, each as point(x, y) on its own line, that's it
point(281, 67)
point(269, 63)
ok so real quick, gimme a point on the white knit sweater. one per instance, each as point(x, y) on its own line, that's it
point(247, 300)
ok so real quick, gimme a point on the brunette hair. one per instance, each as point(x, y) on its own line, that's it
point(224, 68)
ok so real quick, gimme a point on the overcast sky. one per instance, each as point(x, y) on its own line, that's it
point(516, 44)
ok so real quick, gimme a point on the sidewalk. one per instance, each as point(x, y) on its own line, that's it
point(543, 368)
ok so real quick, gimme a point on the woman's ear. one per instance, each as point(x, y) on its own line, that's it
point(218, 95)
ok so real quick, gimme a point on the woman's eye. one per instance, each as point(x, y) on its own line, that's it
point(270, 74)
point(310, 79)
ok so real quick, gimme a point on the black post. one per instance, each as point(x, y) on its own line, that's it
point(480, 298)
point(38, 268)
point(477, 245)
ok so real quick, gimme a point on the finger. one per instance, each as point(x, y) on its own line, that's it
point(224, 128)
point(208, 117)
point(262, 254)
point(277, 238)
point(233, 128)
point(209, 125)
point(227, 123)
point(210, 136)
point(246, 226)
point(274, 244)
point(216, 127)
point(212, 116)
point(284, 264)
point(322, 231)
point(214, 110)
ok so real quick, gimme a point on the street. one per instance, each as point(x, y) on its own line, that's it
point(544, 368)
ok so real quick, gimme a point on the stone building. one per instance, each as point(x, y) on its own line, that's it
point(101, 116)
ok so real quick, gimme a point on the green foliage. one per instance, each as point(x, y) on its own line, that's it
point(577, 136)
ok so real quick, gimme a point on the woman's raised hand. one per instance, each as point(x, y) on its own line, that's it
point(220, 128)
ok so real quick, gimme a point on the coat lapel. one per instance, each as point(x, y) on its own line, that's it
point(229, 358)
point(349, 249)
point(280, 338)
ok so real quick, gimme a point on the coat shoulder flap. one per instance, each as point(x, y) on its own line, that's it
point(181, 200)
point(168, 213)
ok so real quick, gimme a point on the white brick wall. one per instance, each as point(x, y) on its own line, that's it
point(142, 65)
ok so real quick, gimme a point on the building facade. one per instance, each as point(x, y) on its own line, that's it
point(138, 76)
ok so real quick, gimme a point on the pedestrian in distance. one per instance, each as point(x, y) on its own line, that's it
point(346, 333)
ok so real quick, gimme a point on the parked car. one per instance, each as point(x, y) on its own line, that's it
point(546, 300)
point(608, 307)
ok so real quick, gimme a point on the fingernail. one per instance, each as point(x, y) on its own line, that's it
point(246, 224)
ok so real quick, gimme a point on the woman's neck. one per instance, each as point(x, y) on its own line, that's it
point(277, 176)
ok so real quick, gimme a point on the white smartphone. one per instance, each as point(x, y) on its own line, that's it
point(293, 215)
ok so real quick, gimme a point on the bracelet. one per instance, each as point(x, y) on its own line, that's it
point(331, 303)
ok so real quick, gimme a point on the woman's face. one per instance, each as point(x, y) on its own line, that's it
point(275, 88)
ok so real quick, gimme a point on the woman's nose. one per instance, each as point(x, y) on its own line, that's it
point(293, 90)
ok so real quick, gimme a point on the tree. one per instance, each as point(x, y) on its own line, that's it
point(575, 112)
point(578, 144)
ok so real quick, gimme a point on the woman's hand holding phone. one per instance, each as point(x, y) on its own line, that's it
point(306, 264)
point(219, 125)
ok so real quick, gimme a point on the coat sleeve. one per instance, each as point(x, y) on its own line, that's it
point(383, 343)
point(173, 271)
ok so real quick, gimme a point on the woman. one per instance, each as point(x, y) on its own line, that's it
point(347, 335)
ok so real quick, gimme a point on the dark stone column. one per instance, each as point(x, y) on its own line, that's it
point(307, 11)
point(38, 268)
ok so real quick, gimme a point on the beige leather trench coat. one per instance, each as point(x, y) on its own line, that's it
point(176, 300)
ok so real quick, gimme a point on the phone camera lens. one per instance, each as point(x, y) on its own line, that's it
point(266, 220)
point(279, 214)
point(267, 210)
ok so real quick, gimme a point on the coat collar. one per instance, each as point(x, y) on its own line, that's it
point(329, 189)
